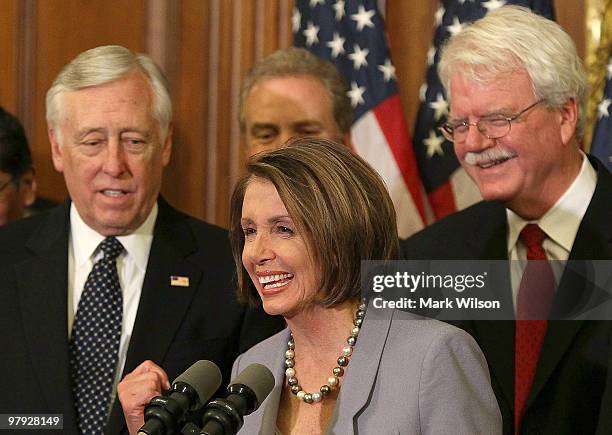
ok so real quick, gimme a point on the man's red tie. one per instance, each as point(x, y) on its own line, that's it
point(535, 296)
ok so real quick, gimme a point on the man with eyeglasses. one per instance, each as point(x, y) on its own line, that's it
point(17, 181)
point(517, 91)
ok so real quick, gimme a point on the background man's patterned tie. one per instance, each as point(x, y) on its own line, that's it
point(94, 344)
point(535, 296)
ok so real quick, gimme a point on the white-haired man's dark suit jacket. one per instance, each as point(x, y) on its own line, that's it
point(570, 378)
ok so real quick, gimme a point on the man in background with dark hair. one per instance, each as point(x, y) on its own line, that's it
point(293, 93)
point(17, 180)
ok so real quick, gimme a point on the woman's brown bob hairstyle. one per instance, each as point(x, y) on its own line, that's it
point(339, 205)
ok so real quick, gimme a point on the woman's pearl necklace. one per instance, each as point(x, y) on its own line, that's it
point(332, 381)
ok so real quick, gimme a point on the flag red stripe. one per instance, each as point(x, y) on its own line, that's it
point(390, 117)
point(442, 200)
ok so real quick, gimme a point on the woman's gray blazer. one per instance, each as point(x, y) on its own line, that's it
point(405, 376)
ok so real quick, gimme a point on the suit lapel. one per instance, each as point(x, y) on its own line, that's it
point(496, 338)
point(277, 367)
point(364, 363)
point(593, 242)
point(43, 284)
point(488, 238)
point(162, 306)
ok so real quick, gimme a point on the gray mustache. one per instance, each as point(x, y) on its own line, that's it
point(488, 156)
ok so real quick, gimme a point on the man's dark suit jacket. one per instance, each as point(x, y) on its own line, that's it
point(567, 390)
point(174, 326)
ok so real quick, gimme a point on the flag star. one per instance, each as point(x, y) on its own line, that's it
point(363, 18)
point(456, 27)
point(311, 34)
point(439, 15)
point(313, 3)
point(356, 94)
point(440, 107)
point(296, 20)
point(339, 8)
point(434, 144)
point(491, 5)
point(423, 92)
point(336, 45)
point(431, 55)
point(388, 70)
point(602, 108)
point(609, 74)
point(358, 56)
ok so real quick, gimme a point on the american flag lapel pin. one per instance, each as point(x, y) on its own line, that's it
point(179, 281)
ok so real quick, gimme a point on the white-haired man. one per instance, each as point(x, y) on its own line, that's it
point(517, 88)
point(115, 275)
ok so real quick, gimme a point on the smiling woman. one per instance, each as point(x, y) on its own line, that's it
point(336, 204)
point(275, 253)
point(302, 220)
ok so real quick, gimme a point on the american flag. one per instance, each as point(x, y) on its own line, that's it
point(448, 186)
point(601, 145)
point(351, 35)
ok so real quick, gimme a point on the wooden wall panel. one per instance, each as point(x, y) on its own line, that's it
point(10, 27)
point(410, 32)
point(218, 41)
point(247, 31)
point(224, 104)
point(61, 31)
point(285, 30)
point(186, 177)
point(571, 16)
point(271, 9)
point(239, 44)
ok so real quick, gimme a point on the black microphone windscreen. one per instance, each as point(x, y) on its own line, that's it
point(258, 378)
point(204, 377)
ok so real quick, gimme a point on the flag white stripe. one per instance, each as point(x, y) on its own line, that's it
point(369, 142)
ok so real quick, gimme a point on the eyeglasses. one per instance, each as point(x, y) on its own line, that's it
point(492, 127)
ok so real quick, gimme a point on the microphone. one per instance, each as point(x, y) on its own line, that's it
point(190, 390)
point(244, 395)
